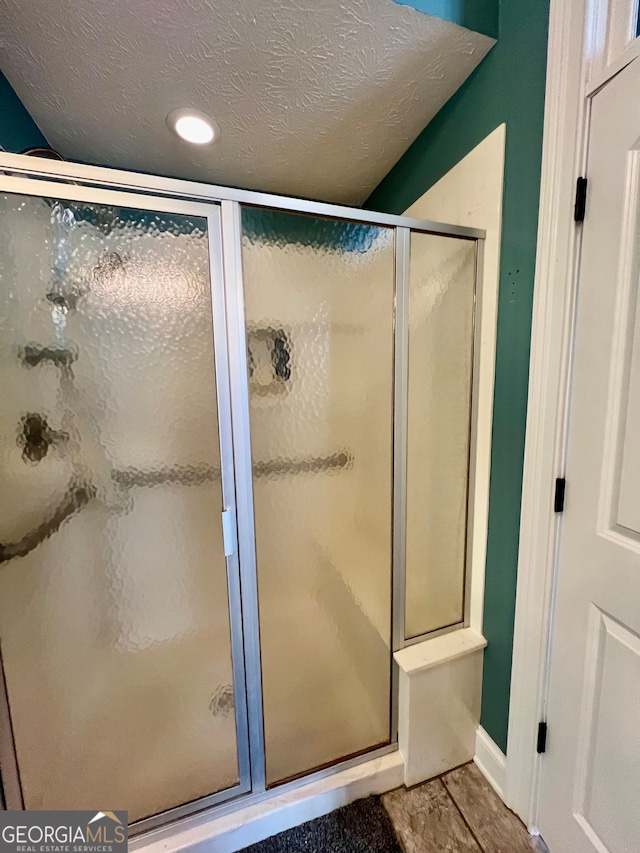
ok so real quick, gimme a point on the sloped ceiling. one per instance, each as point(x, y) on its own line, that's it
point(314, 99)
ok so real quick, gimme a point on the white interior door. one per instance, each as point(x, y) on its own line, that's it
point(590, 794)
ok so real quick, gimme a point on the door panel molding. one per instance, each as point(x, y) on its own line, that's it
point(615, 513)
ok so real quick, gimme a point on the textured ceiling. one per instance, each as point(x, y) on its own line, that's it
point(315, 98)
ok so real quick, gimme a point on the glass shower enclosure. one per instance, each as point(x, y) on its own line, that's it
point(235, 444)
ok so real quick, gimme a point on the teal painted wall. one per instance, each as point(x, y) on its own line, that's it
point(479, 15)
point(18, 130)
point(508, 86)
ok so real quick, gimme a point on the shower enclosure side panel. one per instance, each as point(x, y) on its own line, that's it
point(442, 279)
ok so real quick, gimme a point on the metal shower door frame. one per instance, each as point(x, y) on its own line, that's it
point(38, 173)
point(210, 211)
point(232, 246)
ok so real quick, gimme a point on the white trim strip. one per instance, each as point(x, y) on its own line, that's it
point(576, 42)
point(491, 761)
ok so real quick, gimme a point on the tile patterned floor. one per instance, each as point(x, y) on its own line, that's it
point(457, 813)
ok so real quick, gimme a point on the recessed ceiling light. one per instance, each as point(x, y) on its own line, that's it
point(193, 126)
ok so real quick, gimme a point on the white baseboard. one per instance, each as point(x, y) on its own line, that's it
point(491, 761)
point(256, 822)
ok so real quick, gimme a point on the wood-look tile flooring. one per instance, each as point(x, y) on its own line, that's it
point(457, 813)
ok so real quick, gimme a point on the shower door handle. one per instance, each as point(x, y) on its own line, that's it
point(228, 532)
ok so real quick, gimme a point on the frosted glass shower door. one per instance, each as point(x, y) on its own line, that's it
point(122, 657)
point(442, 283)
point(319, 302)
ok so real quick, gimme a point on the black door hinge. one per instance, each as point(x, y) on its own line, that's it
point(558, 498)
point(541, 745)
point(581, 200)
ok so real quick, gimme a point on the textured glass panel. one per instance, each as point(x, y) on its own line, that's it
point(114, 619)
point(319, 302)
point(441, 309)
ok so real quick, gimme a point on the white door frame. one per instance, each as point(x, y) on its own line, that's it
point(589, 42)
